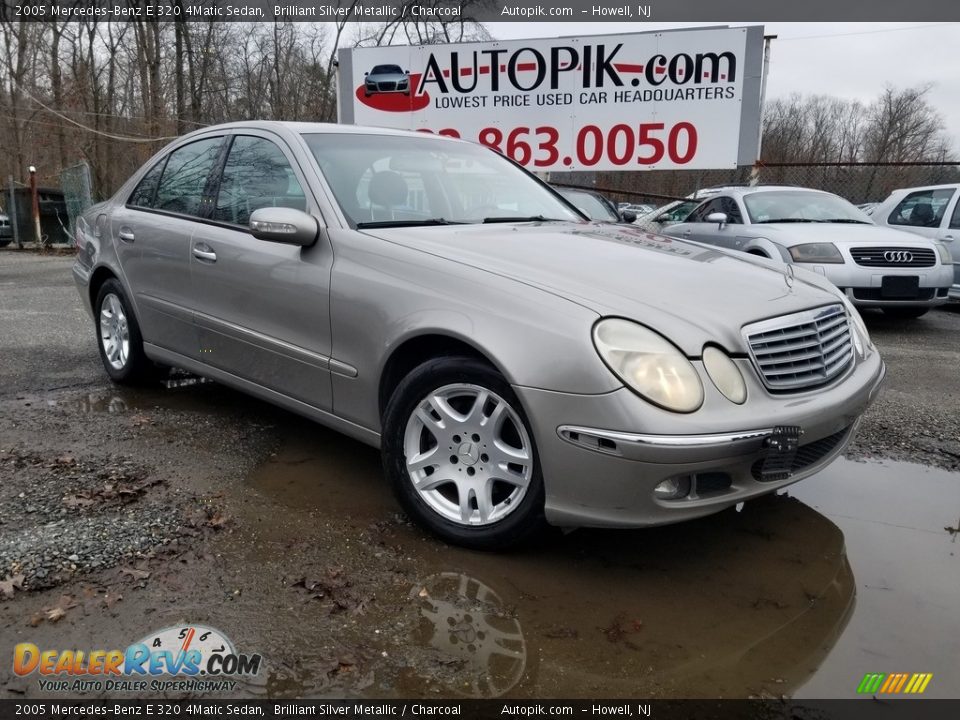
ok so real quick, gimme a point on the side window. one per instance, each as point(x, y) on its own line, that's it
point(700, 214)
point(924, 208)
point(729, 206)
point(146, 191)
point(256, 175)
point(955, 218)
point(185, 177)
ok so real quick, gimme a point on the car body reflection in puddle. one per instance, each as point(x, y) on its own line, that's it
point(468, 624)
point(734, 605)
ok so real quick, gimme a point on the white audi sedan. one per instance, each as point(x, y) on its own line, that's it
point(901, 273)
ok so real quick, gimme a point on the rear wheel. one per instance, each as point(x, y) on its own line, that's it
point(904, 313)
point(119, 339)
point(459, 453)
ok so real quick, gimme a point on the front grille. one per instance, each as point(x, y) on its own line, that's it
point(893, 257)
point(803, 350)
point(386, 86)
point(808, 454)
point(877, 294)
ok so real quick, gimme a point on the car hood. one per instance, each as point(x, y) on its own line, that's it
point(789, 234)
point(689, 292)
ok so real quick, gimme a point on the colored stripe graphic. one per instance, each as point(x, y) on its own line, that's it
point(894, 683)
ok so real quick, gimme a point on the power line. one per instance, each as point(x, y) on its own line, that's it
point(866, 32)
point(122, 138)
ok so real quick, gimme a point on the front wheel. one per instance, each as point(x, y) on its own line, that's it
point(459, 453)
point(904, 313)
point(119, 339)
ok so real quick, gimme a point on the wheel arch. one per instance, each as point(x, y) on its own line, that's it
point(418, 349)
point(97, 278)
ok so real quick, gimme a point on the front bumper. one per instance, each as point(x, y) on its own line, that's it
point(603, 455)
point(863, 285)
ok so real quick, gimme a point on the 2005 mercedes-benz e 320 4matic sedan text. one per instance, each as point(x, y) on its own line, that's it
point(514, 362)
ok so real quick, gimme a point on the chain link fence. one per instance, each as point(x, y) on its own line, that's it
point(77, 193)
point(857, 182)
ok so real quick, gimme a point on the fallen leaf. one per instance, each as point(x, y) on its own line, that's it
point(55, 614)
point(135, 574)
point(8, 585)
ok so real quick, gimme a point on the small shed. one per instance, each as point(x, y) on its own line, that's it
point(54, 220)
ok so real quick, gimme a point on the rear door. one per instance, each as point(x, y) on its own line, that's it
point(263, 308)
point(152, 235)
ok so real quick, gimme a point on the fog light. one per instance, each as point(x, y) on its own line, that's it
point(672, 489)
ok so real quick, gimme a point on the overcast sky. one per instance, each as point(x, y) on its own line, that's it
point(851, 60)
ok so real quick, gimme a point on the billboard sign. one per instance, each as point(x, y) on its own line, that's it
point(686, 99)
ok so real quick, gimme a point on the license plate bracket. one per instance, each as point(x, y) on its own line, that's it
point(782, 447)
point(903, 287)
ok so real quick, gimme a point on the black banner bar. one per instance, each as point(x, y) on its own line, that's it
point(865, 708)
point(573, 11)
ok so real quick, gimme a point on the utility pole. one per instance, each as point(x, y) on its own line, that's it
point(35, 200)
point(13, 214)
point(755, 173)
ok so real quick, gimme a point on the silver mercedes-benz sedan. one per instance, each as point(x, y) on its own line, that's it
point(514, 362)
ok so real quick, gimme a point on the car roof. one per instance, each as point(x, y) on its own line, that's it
point(299, 128)
point(750, 189)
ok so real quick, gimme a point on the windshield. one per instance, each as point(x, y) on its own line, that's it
point(386, 70)
point(591, 206)
point(801, 206)
point(402, 180)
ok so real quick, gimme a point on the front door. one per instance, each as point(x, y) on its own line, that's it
point(262, 308)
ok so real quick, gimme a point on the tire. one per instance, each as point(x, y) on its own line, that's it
point(119, 334)
point(904, 313)
point(4, 242)
point(480, 481)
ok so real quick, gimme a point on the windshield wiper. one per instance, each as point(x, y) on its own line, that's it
point(849, 221)
point(407, 223)
point(520, 218)
point(785, 220)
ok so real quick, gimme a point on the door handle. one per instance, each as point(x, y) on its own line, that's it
point(687, 233)
point(204, 252)
point(126, 234)
point(947, 238)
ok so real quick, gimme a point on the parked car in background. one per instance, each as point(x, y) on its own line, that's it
point(673, 212)
point(932, 212)
point(513, 362)
point(595, 206)
point(6, 231)
point(639, 209)
point(386, 79)
point(903, 274)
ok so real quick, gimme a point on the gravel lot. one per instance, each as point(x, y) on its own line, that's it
point(125, 511)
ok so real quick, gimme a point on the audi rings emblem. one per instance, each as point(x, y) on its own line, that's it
point(898, 256)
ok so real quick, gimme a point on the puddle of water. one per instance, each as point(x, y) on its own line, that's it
point(798, 594)
point(900, 521)
point(166, 395)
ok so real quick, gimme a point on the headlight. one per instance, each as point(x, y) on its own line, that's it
point(648, 364)
point(816, 253)
point(725, 374)
point(944, 252)
point(859, 328)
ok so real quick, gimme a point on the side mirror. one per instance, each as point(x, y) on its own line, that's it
point(284, 225)
point(718, 217)
point(406, 72)
point(663, 218)
point(628, 216)
point(365, 74)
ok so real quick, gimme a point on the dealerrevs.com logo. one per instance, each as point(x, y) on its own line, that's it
point(191, 658)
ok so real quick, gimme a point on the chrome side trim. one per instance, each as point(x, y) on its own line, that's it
point(565, 431)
